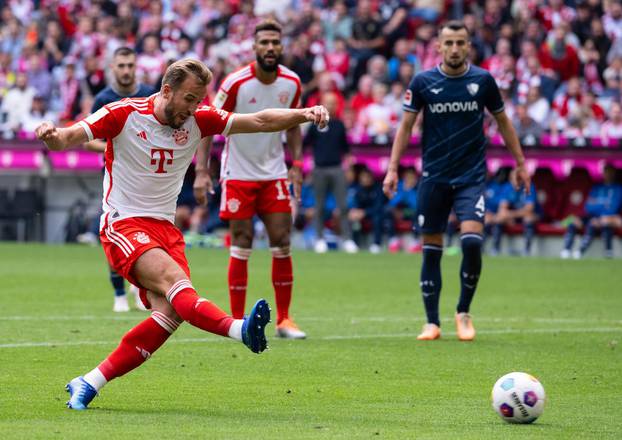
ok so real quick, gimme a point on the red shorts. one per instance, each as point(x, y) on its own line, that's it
point(242, 199)
point(126, 240)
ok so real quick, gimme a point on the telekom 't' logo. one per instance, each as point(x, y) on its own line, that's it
point(159, 156)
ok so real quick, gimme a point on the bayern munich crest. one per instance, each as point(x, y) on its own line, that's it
point(180, 136)
point(233, 205)
point(142, 238)
point(283, 97)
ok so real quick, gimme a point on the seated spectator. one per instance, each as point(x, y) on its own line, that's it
point(528, 130)
point(38, 114)
point(602, 212)
point(150, 61)
point(378, 120)
point(326, 84)
point(495, 191)
point(516, 206)
point(362, 98)
point(401, 54)
point(335, 61)
point(16, 105)
point(538, 108)
point(558, 56)
point(367, 206)
point(612, 128)
point(377, 69)
point(367, 39)
point(403, 207)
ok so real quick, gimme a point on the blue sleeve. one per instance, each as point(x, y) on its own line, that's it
point(507, 193)
point(493, 100)
point(592, 207)
point(413, 100)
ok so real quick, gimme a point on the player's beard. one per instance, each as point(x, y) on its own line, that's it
point(169, 114)
point(268, 67)
point(455, 64)
point(125, 80)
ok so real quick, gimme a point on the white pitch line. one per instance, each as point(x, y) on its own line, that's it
point(351, 320)
point(330, 338)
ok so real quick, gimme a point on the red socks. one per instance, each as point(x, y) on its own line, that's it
point(238, 280)
point(138, 345)
point(198, 311)
point(282, 280)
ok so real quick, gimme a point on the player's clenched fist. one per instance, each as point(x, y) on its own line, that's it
point(46, 131)
point(318, 115)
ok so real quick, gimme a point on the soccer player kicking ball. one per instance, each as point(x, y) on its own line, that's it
point(254, 175)
point(151, 142)
point(452, 97)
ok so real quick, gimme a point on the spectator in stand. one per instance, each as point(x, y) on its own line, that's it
point(330, 153)
point(377, 120)
point(612, 127)
point(326, 84)
point(377, 69)
point(367, 39)
point(428, 10)
point(367, 206)
point(612, 21)
point(558, 56)
point(337, 24)
point(602, 212)
point(581, 25)
point(70, 91)
point(601, 40)
point(495, 63)
point(565, 104)
point(538, 107)
point(406, 73)
point(94, 77)
point(335, 61)
point(394, 99)
point(403, 207)
point(36, 116)
point(496, 187)
point(554, 12)
point(527, 129)
point(401, 54)
point(39, 77)
point(591, 67)
point(12, 38)
point(150, 62)
point(362, 98)
point(53, 44)
point(16, 105)
point(394, 15)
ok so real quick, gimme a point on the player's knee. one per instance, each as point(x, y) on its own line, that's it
point(471, 243)
point(242, 238)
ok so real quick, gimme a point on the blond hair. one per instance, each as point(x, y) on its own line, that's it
point(177, 73)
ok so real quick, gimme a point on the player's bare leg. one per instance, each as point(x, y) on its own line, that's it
point(240, 251)
point(431, 283)
point(471, 239)
point(279, 228)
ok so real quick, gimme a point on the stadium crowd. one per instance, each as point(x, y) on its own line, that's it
point(558, 64)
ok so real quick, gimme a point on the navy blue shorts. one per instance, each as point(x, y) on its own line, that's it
point(435, 200)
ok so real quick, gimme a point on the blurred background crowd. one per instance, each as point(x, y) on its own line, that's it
point(558, 64)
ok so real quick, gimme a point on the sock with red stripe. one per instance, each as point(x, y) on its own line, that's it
point(135, 348)
point(238, 280)
point(282, 280)
point(198, 311)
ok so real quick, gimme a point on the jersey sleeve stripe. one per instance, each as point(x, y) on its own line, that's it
point(87, 129)
point(225, 132)
point(494, 112)
point(235, 77)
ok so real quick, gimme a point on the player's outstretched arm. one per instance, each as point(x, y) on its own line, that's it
point(60, 138)
point(400, 143)
point(278, 119)
point(520, 177)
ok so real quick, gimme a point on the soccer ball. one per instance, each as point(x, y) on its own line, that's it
point(518, 398)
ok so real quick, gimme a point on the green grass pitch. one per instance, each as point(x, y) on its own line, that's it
point(360, 374)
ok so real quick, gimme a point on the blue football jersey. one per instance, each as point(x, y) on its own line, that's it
point(604, 200)
point(453, 141)
point(108, 95)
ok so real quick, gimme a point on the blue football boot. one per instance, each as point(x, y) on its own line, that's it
point(254, 325)
point(80, 393)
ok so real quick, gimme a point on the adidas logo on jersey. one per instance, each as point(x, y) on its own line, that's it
point(445, 107)
point(142, 135)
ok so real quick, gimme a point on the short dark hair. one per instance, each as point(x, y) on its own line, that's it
point(268, 25)
point(454, 25)
point(123, 51)
point(177, 73)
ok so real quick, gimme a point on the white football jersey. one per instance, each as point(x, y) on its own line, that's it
point(256, 156)
point(145, 160)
